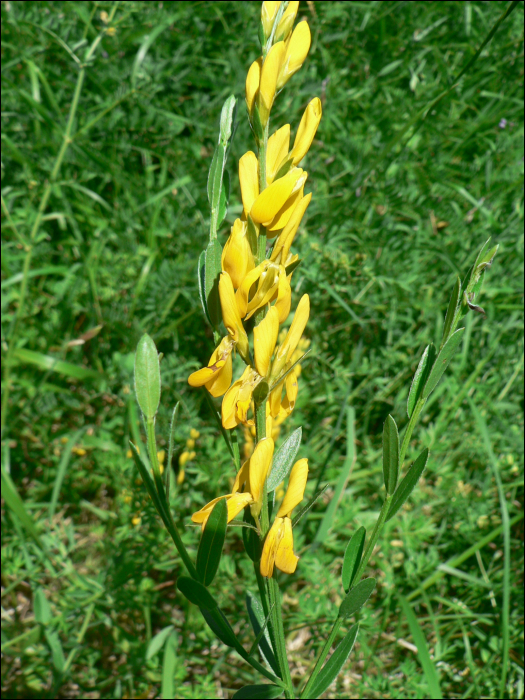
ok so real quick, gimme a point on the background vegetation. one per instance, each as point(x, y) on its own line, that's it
point(89, 574)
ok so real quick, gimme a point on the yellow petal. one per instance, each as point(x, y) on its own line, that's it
point(268, 13)
point(284, 214)
point(285, 559)
point(275, 400)
point(296, 486)
point(268, 84)
point(229, 406)
point(236, 503)
point(237, 399)
point(273, 197)
point(242, 477)
point(270, 547)
point(217, 376)
point(265, 336)
point(307, 130)
point(243, 292)
point(252, 83)
point(266, 289)
point(277, 151)
point(237, 256)
point(202, 515)
point(249, 179)
point(284, 296)
point(287, 235)
point(285, 25)
point(297, 48)
point(260, 463)
point(295, 332)
point(292, 389)
point(230, 315)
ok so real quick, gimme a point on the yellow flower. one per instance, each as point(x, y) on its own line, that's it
point(270, 201)
point(217, 376)
point(265, 336)
point(278, 545)
point(276, 152)
point(286, 23)
point(180, 477)
point(287, 348)
point(237, 256)
point(190, 444)
point(136, 521)
point(284, 215)
point(185, 457)
point(282, 408)
point(194, 434)
point(249, 180)
point(268, 14)
point(306, 131)
point(252, 83)
point(297, 47)
point(237, 399)
point(271, 70)
point(231, 317)
point(287, 235)
point(161, 454)
point(270, 285)
point(251, 476)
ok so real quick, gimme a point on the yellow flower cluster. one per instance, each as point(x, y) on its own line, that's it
point(255, 282)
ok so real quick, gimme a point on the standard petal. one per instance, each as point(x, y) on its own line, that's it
point(202, 515)
point(286, 23)
point(236, 503)
point(252, 83)
point(295, 332)
point(287, 235)
point(268, 12)
point(307, 130)
point(285, 559)
point(277, 151)
point(271, 69)
point(243, 292)
point(285, 213)
point(292, 389)
point(284, 296)
point(273, 197)
point(237, 256)
point(260, 463)
point(270, 547)
point(265, 337)
point(249, 179)
point(296, 486)
point(231, 316)
point(297, 48)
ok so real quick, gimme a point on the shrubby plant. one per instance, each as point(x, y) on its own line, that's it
point(246, 295)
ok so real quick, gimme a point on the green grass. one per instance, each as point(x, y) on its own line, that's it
point(391, 224)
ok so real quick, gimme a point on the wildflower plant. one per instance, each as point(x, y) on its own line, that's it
point(245, 289)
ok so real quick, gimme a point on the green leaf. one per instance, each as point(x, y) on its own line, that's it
point(251, 541)
point(211, 281)
point(420, 377)
point(258, 620)
point(147, 377)
point(283, 460)
point(227, 122)
point(173, 423)
point(224, 198)
point(16, 505)
point(220, 627)
point(147, 479)
point(304, 510)
point(335, 663)
point(390, 454)
point(357, 597)
point(451, 311)
point(441, 363)
point(169, 663)
point(212, 541)
point(263, 690)
point(52, 364)
point(215, 172)
point(407, 484)
point(157, 642)
point(353, 554)
point(41, 607)
point(196, 593)
point(201, 281)
point(429, 668)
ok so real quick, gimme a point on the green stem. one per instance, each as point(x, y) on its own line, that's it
point(168, 521)
point(409, 430)
point(373, 539)
point(66, 141)
point(322, 656)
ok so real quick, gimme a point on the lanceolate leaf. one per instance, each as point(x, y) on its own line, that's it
point(335, 663)
point(196, 593)
point(211, 274)
point(353, 554)
point(390, 454)
point(451, 311)
point(257, 618)
point(201, 280)
point(283, 459)
point(420, 377)
point(220, 627)
point(212, 541)
point(442, 362)
point(147, 377)
point(264, 690)
point(157, 642)
point(357, 597)
point(408, 484)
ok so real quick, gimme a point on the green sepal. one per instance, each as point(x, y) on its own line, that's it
point(285, 168)
point(259, 623)
point(147, 377)
point(474, 279)
point(201, 281)
point(284, 459)
point(262, 691)
point(335, 663)
point(420, 377)
point(212, 272)
point(390, 454)
point(357, 597)
point(292, 267)
point(352, 558)
point(212, 541)
point(260, 392)
point(252, 235)
point(304, 510)
point(408, 483)
point(441, 363)
point(256, 123)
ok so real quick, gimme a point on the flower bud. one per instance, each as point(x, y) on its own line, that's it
point(297, 48)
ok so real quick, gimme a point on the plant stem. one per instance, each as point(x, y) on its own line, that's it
point(373, 538)
point(322, 656)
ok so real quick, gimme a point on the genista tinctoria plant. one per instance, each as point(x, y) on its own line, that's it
point(246, 295)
